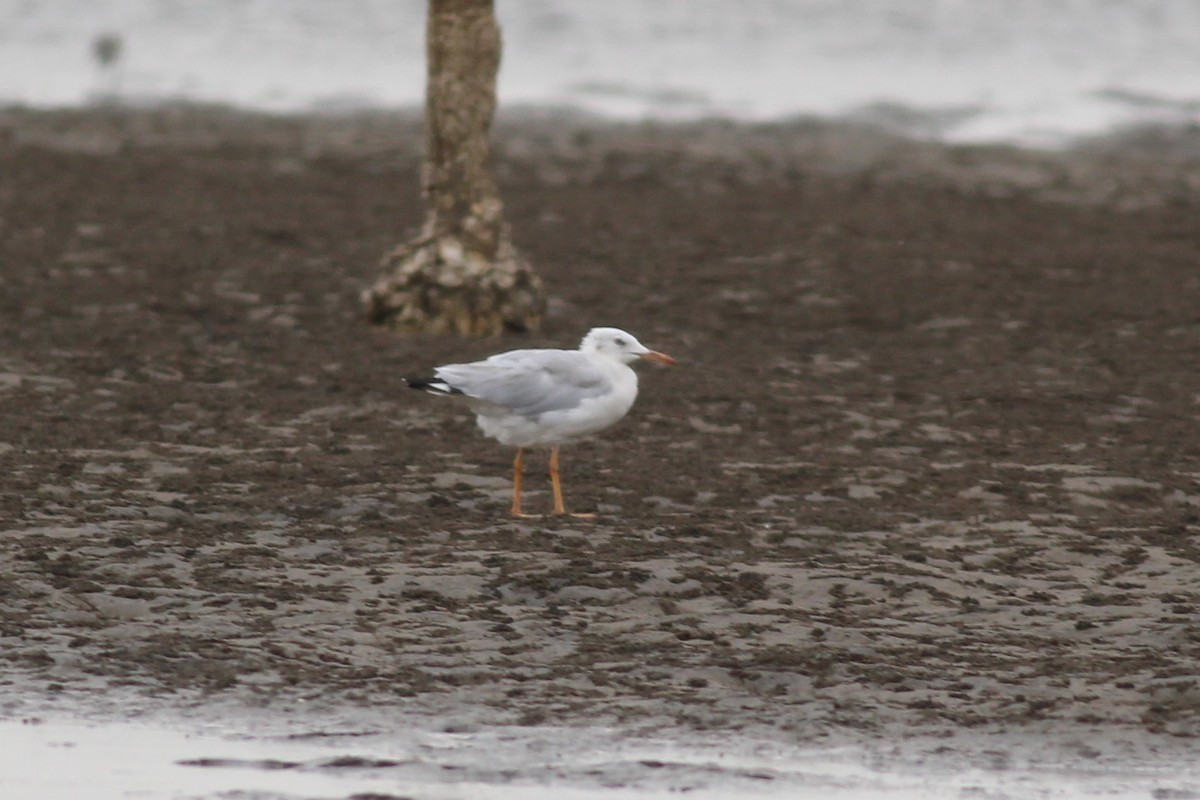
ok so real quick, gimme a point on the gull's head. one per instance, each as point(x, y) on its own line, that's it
point(620, 346)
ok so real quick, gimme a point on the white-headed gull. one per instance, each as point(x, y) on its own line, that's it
point(547, 398)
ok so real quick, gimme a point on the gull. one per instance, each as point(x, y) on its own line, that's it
point(547, 397)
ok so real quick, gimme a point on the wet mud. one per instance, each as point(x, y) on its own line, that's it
point(929, 461)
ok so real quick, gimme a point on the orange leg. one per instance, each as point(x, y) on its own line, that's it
point(559, 507)
point(517, 470)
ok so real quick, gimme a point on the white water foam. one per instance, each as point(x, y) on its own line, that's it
point(1026, 71)
point(63, 759)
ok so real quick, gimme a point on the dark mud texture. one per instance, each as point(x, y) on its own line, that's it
point(929, 461)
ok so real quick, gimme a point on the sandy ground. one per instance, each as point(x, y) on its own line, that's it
point(928, 465)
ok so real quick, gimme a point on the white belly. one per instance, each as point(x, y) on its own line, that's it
point(558, 427)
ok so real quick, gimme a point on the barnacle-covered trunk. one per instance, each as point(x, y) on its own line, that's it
point(461, 274)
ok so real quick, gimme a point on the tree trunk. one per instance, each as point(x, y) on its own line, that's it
point(462, 274)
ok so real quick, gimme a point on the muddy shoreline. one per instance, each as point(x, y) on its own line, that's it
point(928, 466)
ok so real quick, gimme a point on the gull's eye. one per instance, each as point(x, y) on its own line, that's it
point(619, 342)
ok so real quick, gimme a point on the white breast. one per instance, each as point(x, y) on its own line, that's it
point(586, 418)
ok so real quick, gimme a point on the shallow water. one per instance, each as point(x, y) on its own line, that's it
point(61, 758)
point(1024, 70)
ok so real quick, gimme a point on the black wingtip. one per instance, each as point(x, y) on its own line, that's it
point(435, 385)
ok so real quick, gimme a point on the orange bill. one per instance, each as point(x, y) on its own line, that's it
point(661, 358)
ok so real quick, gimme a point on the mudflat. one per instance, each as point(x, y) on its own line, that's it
point(928, 463)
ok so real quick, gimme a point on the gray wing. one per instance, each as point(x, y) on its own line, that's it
point(529, 382)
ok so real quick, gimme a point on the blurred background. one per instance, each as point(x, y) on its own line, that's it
point(1023, 71)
